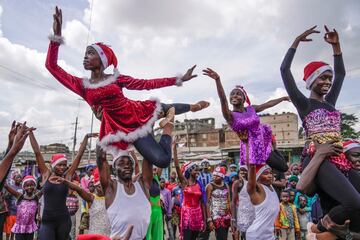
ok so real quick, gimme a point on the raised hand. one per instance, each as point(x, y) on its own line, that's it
point(286, 98)
point(211, 73)
point(92, 135)
point(57, 21)
point(331, 37)
point(22, 132)
point(189, 74)
point(304, 36)
point(12, 133)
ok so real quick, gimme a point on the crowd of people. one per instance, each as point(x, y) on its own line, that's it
point(261, 196)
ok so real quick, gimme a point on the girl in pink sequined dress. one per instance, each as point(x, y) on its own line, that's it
point(255, 138)
point(27, 206)
point(193, 211)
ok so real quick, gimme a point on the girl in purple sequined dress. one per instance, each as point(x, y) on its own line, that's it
point(27, 206)
point(255, 138)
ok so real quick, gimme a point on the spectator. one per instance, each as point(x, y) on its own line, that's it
point(304, 215)
point(166, 200)
point(205, 175)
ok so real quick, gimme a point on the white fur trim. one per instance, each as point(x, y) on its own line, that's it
point(261, 170)
point(109, 80)
point(351, 146)
point(56, 38)
point(316, 74)
point(190, 165)
point(142, 131)
point(58, 161)
point(179, 82)
point(102, 55)
point(218, 174)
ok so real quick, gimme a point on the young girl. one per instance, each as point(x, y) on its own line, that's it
point(98, 221)
point(193, 211)
point(322, 123)
point(124, 122)
point(255, 138)
point(27, 206)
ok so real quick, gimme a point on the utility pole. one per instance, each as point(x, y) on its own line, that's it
point(91, 131)
point(74, 140)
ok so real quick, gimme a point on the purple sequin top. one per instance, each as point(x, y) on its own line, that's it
point(258, 136)
point(25, 218)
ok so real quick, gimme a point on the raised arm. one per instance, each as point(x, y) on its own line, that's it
point(333, 39)
point(234, 201)
point(270, 104)
point(69, 81)
point(298, 99)
point(137, 167)
point(104, 168)
point(306, 182)
point(251, 184)
point(12, 191)
point(147, 173)
point(44, 171)
point(77, 159)
point(181, 177)
point(209, 221)
point(142, 84)
point(223, 100)
point(88, 197)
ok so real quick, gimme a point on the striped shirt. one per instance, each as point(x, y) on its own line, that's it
point(205, 178)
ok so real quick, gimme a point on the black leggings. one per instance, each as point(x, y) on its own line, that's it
point(159, 153)
point(344, 190)
point(221, 233)
point(189, 234)
point(2, 222)
point(277, 161)
point(56, 230)
point(24, 236)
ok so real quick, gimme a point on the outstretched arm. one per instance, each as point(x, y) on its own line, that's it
point(224, 104)
point(181, 177)
point(298, 99)
point(104, 168)
point(44, 171)
point(77, 159)
point(69, 81)
point(142, 84)
point(333, 39)
point(270, 104)
point(12, 191)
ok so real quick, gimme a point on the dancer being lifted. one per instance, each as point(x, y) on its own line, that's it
point(322, 123)
point(124, 122)
point(255, 138)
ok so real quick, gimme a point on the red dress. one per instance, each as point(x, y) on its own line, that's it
point(123, 120)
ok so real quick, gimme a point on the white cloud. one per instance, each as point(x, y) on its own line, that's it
point(1, 11)
point(77, 35)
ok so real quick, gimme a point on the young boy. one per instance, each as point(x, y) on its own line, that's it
point(287, 223)
point(304, 215)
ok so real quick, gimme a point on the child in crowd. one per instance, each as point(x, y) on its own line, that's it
point(293, 180)
point(304, 215)
point(287, 223)
point(27, 206)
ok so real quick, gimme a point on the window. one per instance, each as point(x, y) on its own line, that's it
point(288, 125)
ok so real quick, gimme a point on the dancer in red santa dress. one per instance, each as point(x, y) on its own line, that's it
point(124, 122)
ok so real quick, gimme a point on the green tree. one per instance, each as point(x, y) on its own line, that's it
point(348, 122)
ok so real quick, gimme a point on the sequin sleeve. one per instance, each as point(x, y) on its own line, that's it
point(71, 82)
point(145, 84)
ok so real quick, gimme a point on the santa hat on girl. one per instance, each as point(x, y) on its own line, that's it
point(96, 177)
point(313, 70)
point(92, 237)
point(28, 178)
point(187, 166)
point(350, 144)
point(260, 169)
point(107, 56)
point(57, 158)
point(241, 88)
point(219, 171)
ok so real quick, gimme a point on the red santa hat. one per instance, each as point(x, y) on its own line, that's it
point(92, 237)
point(57, 158)
point(28, 178)
point(106, 55)
point(187, 166)
point(220, 172)
point(273, 139)
point(350, 144)
point(241, 88)
point(96, 177)
point(260, 169)
point(122, 154)
point(313, 70)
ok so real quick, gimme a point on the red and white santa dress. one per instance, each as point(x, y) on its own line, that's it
point(123, 120)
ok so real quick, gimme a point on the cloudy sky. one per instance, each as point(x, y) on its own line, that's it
point(244, 41)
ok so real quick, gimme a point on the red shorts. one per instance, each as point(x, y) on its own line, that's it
point(9, 223)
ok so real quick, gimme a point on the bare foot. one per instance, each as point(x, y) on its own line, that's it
point(168, 118)
point(199, 106)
